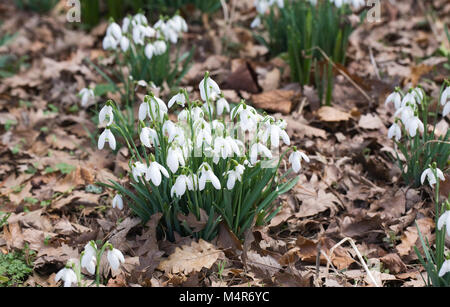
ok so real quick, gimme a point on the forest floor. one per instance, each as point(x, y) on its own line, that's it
point(352, 188)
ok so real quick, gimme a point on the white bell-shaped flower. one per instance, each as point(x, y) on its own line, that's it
point(115, 258)
point(396, 98)
point(89, 257)
point(395, 131)
point(209, 89)
point(179, 99)
point(446, 109)
point(86, 95)
point(429, 174)
point(445, 268)
point(138, 170)
point(107, 136)
point(106, 115)
point(180, 186)
point(159, 47)
point(154, 173)
point(444, 219)
point(175, 158)
point(124, 43)
point(445, 96)
point(117, 202)
point(222, 104)
point(149, 137)
point(207, 175)
point(149, 51)
point(295, 159)
point(68, 276)
point(414, 124)
point(258, 149)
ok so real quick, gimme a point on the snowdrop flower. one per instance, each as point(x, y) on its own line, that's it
point(149, 50)
point(124, 43)
point(295, 159)
point(396, 131)
point(179, 188)
point(234, 175)
point(396, 98)
point(413, 124)
point(222, 149)
point(262, 6)
point(109, 43)
point(179, 99)
point(405, 114)
point(445, 268)
point(275, 132)
point(139, 19)
point(89, 257)
point(153, 107)
point(114, 31)
point(445, 96)
point(106, 115)
point(222, 104)
point(209, 89)
point(154, 173)
point(446, 109)
point(125, 24)
point(418, 94)
point(259, 149)
point(68, 276)
point(175, 158)
point(409, 100)
point(429, 174)
point(357, 4)
point(138, 170)
point(107, 136)
point(203, 132)
point(149, 137)
point(444, 219)
point(248, 118)
point(115, 257)
point(235, 145)
point(256, 23)
point(178, 24)
point(86, 95)
point(159, 47)
point(192, 182)
point(142, 83)
point(117, 202)
point(207, 175)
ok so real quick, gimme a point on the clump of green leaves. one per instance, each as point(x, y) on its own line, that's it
point(38, 6)
point(14, 269)
point(9, 63)
point(311, 37)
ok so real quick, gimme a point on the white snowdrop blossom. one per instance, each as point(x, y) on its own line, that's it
point(413, 124)
point(180, 186)
point(209, 89)
point(89, 257)
point(117, 202)
point(139, 170)
point(444, 219)
point(445, 268)
point(396, 98)
point(148, 137)
point(68, 276)
point(179, 99)
point(207, 175)
point(222, 104)
point(259, 149)
point(107, 136)
point(115, 258)
point(445, 96)
point(175, 158)
point(430, 176)
point(106, 116)
point(235, 175)
point(296, 158)
point(154, 173)
point(395, 131)
point(86, 95)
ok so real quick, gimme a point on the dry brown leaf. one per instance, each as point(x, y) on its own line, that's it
point(275, 101)
point(193, 258)
point(370, 121)
point(331, 114)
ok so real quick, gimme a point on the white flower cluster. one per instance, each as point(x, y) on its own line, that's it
point(262, 6)
point(406, 112)
point(212, 140)
point(136, 30)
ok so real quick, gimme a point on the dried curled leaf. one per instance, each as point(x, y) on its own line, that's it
point(191, 258)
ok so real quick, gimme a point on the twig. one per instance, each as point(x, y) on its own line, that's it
point(374, 63)
point(363, 263)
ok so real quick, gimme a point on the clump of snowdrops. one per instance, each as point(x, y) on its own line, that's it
point(414, 132)
point(90, 260)
point(303, 31)
point(215, 163)
point(144, 55)
point(436, 262)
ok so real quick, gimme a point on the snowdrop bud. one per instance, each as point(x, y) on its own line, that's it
point(445, 268)
point(89, 257)
point(107, 136)
point(68, 276)
point(444, 219)
point(115, 257)
point(117, 202)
